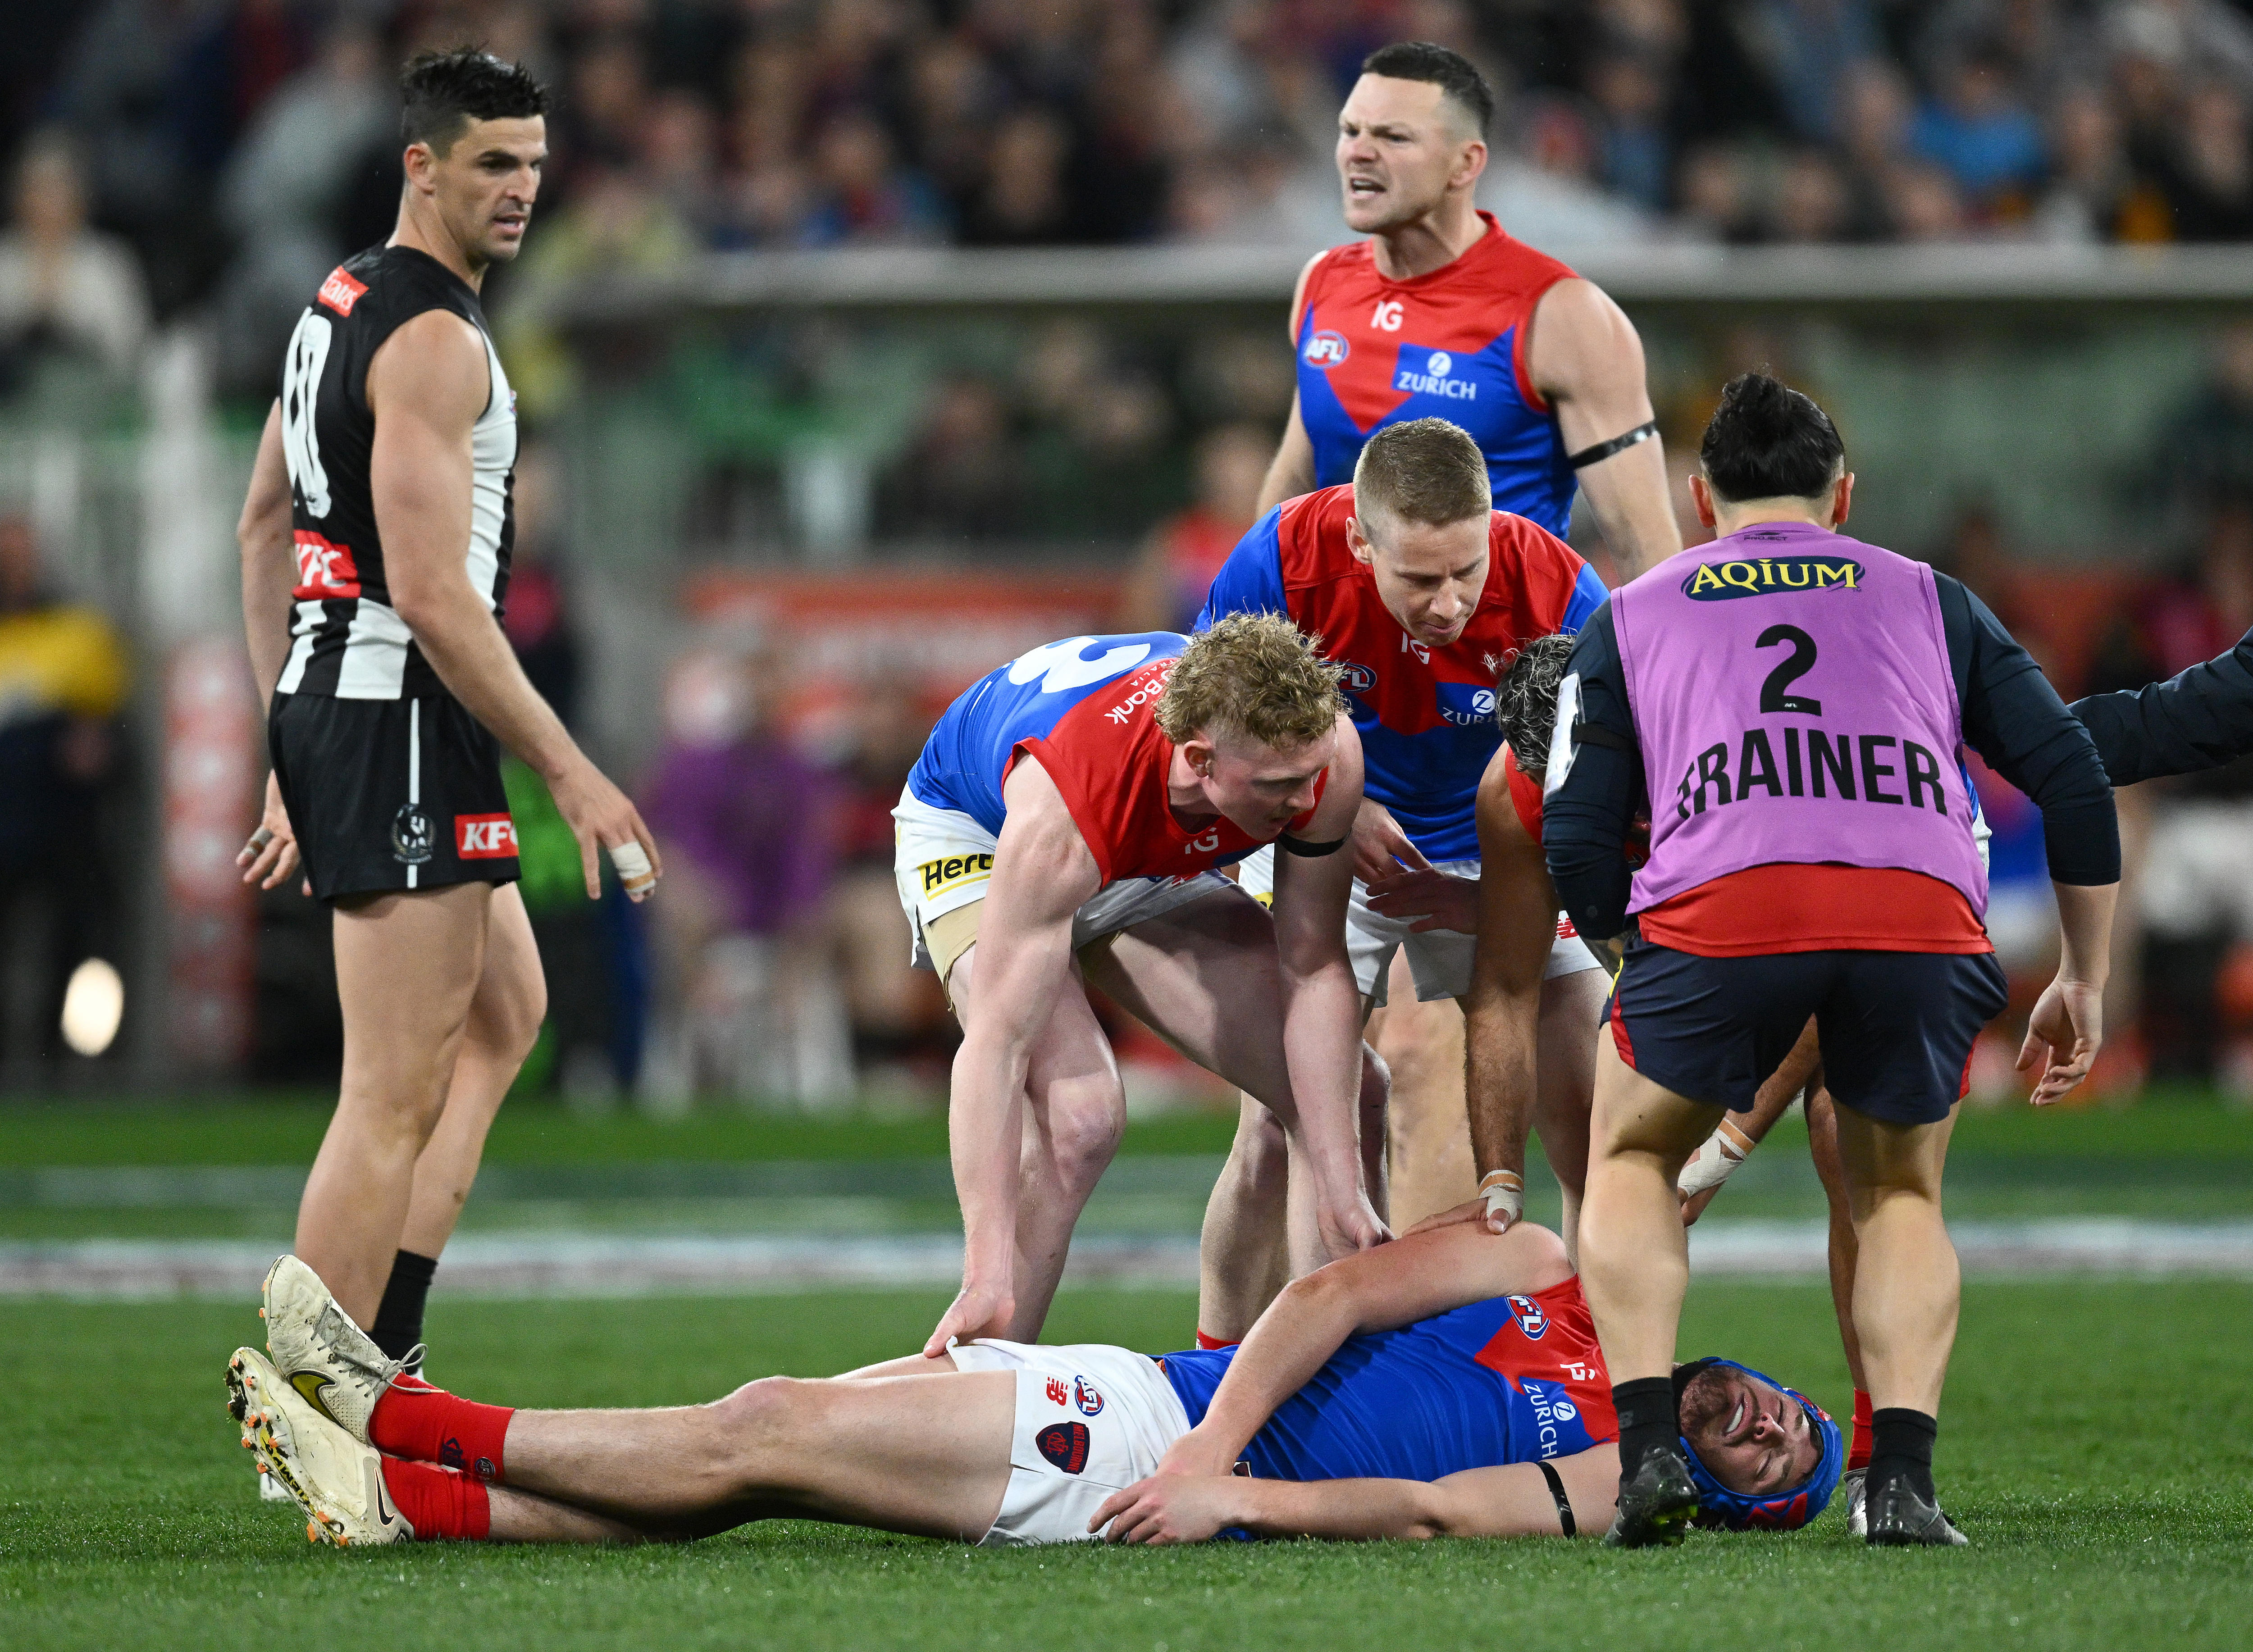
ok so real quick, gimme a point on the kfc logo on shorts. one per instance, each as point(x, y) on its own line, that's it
point(1087, 1397)
point(1058, 1392)
point(484, 837)
point(1327, 349)
point(1064, 1445)
point(1531, 1320)
point(340, 292)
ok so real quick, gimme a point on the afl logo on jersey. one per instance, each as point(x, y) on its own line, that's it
point(1087, 1397)
point(1327, 349)
point(1531, 1320)
point(1358, 679)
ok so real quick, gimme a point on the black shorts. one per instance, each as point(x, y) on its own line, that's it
point(1896, 1027)
point(391, 794)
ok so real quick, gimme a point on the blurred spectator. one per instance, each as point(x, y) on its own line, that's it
point(1924, 205)
point(963, 473)
point(1638, 157)
point(862, 197)
point(64, 289)
point(1979, 132)
point(1022, 201)
point(1716, 194)
point(63, 675)
point(2208, 176)
point(538, 614)
point(748, 1004)
point(1811, 199)
point(2093, 195)
point(1184, 552)
point(1807, 47)
point(2203, 450)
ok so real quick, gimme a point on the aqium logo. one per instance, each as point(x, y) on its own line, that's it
point(1767, 576)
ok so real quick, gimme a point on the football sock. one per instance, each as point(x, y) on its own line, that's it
point(1859, 1457)
point(1901, 1445)
point(437, 1502)
point(399, 1318)
point(428, 1425)
point(1215, 1342)
point(1647, 1419)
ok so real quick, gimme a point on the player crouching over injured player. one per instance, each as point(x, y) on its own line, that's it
point(1448, 1384)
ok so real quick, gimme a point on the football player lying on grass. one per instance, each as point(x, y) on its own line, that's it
point(1446, 1384)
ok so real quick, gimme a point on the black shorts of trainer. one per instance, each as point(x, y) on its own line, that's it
point(1896, 1027)
point(391, 794)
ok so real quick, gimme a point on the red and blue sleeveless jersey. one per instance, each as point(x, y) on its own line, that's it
point(1426, 715)
point(1450, 343)
point(1086, 707)
point(1516, 1379)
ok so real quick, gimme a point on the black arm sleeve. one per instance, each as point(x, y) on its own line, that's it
point(2199, 720)
point(2015, 720)
point(1585, 822)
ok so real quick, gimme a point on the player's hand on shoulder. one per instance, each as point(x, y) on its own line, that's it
point(1435, 900)
point(602, 817)
point(2063, 1036)
point(1168, 1509)
point(1380, 847)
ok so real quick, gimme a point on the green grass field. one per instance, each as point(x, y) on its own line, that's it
point(2098, 1445)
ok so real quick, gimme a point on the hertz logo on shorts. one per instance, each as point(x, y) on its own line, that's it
point(1765, 575)
point(938, 875)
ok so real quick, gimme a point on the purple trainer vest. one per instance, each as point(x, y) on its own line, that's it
point(1792, 696)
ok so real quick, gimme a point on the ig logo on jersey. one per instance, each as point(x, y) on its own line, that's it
point(1327, 349)
point(1531, 1320)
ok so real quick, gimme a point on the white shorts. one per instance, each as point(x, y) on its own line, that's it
point(944, 859)
point(1440, 959)
point(1091, 1420)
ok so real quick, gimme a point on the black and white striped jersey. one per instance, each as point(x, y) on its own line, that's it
point(347, 640)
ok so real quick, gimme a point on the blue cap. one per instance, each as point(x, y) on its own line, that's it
point(1785, 1510)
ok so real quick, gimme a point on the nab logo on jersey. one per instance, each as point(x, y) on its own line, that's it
point(1327, 349)
point(1531, 1320)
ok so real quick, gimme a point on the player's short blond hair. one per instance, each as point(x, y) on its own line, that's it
point(1425, 471)
point(1254, 674)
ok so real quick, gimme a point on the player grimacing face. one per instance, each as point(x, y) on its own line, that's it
point(1753, 1437)
point(1428, 578)
point(484, 185)
point(1401, 147)
point(1257, 789)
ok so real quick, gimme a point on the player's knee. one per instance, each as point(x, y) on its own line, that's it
point(511, 1009)
point(1084, 1139)
point(751, 1424)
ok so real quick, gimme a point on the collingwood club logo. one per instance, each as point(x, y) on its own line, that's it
point(412, 835)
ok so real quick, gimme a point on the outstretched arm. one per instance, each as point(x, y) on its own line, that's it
point(1586, 357)
point(1043, 874)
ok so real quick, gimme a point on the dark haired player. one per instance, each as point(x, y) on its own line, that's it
point(1420, 593)
point(1795, 698)
point(1439, 313)
point(375, 549)
point(1447, 1386)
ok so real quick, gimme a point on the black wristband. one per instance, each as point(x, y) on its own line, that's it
point(1290, 845)
point(1603, 450)
point(1557, 1490)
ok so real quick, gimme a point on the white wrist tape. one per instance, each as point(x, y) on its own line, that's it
point(1505, 1193)
point(636, 875)
point(1712, 1164)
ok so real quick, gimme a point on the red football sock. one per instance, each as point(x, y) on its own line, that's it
point(428, 1425)
point(1214, 1342)
point(438, 1503)
point(1864, 1431)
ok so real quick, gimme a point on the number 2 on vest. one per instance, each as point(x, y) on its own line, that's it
point(1801, 662)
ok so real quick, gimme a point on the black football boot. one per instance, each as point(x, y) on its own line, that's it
point(1656, 1503)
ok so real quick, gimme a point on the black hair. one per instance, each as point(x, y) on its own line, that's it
point(1767, 442)
point(1454, 75)
point(1526, 701)
point(443, 92)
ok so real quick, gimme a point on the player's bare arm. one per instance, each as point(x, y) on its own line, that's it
point(269, 573)
point(426, 386)
point(1043, 872)
point(1292, 471)
point(1586, 357)
point(1322, 1005)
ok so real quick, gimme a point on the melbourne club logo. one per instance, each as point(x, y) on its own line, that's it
point(1531, 1320)
point(1327, 349)
point(1087, 1397)
point(1064, 1445)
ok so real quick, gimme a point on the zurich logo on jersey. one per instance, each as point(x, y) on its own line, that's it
point(1531, 1320)
point(1327, 349)
point(1466, 705)
point(1358, 680)
point(1435, 380)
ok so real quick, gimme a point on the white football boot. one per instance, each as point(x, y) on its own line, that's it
point(1858, 1503)
point(337, 1480)
point(333, 1365)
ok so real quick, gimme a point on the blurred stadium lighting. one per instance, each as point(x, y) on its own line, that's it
point(94, 1004)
